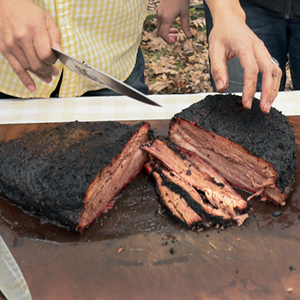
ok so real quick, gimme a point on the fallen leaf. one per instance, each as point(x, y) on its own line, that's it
point(121, 249)
point(158, 86)
point(199, 23)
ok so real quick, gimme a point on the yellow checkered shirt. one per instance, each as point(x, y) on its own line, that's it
point(105, 34)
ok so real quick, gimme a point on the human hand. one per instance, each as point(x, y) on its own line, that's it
point(231, 37)
point(167, 12)
point(27, 33)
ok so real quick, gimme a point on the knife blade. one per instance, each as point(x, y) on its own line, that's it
point(83, 69)
point(12, 282)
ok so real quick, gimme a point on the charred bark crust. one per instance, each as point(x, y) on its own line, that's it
point(194, 205)
point(47, 173)
point(267, 136)
point(196, 183)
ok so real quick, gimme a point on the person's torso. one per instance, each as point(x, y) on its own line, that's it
point(285, 8)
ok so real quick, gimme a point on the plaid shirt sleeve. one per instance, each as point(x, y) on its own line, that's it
point(104, 34)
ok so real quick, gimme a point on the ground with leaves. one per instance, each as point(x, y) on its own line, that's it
point(184, 67)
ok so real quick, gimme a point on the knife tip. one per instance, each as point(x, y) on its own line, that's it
point(156, 104)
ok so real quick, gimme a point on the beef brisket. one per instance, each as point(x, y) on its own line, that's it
point(252, 150)
point(176, 199)
point(183, 181)
point(70, 174)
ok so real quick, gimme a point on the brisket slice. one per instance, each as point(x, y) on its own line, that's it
point(70, 174)
point(252, 150)
point(176, 199)
point(191, 180)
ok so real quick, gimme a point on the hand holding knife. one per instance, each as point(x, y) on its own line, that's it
point(106, 80)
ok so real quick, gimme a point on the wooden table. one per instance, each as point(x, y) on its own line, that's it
point(136, 252)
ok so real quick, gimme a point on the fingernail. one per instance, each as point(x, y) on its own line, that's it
point(48, 79)
point(31, 88)
point(220, 86)
point(248, 103)
point(55, 73)
point(267, 107)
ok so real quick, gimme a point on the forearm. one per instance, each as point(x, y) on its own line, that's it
point(224, 9)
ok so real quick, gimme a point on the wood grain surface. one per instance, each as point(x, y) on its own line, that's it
point(136, 252)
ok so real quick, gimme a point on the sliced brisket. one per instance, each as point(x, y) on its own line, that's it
point(70, 174)
point(252, 150)
point(195, 183)
point(175, 198)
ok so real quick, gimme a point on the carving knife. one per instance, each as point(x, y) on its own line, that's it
point(12, 283)
point(83, 69)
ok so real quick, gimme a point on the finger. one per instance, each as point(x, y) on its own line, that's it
point(18, 52)
point(250, 67)
point(44, 54)
point(169, 38)
point(37, 66)
point(54, 33)
point(46, 79)
point(9, 47)
point(218, 67)
point(185, 24)
point(271, 77)
point(39, 54)
point(49, 36)
point(173, 35)
point(19, 64)
point(18, 58)
point(173, 30)
point(25, 78)
point(163, 32)
point(164, 27)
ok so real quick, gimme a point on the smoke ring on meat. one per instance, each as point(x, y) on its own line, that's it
point(254, 151)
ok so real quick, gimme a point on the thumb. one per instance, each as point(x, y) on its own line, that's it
point(54, 33)
point(185, 24)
